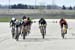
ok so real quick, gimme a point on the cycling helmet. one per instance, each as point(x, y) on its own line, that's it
point(13, 18)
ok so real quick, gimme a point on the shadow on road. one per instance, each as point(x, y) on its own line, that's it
point(38, 39)
point(69, 38)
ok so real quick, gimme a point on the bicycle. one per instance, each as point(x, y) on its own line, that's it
point(24, 31)
point(43, 30)
point(63, 31)
point(13, 31)
point(18, 32)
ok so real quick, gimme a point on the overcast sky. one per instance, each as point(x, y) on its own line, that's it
point(38, 2)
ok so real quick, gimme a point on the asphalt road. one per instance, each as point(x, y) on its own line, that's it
point(34, 41)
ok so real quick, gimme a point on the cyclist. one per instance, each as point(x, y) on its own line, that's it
point(42, 26)
point(64, 26)
point(12, 25)
point(24, 27)
point(18, 29)
point(42, 22)
point(29, 22)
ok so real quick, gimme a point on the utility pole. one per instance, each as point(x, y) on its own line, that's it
point(9, 7)
point(53, 2)
point(35, 4)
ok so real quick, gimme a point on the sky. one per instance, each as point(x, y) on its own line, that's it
point(40, 2)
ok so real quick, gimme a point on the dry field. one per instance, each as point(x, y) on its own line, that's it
point(37, 13)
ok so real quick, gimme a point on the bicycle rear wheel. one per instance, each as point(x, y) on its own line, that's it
point(43, 32)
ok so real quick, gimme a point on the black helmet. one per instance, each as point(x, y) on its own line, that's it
point(24, 17)
point(42, 18)
point(28, 18)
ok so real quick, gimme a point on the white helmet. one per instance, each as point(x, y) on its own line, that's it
point(13, 18)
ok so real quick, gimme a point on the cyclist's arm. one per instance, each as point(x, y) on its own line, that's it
point(66, 24)
point(10, 23)
point(45, 23)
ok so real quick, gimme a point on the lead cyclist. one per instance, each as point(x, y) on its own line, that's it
point(12, 25)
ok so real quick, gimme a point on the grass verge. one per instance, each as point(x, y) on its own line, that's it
point(5, 19)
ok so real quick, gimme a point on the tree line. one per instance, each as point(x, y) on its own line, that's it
point(24, 6)
point(21, 6)
point(70, 8)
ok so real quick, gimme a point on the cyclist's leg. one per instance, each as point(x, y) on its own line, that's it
point(19, 31)
point(22, 28)
point(28, 28)
point(24, 32)
point(45, 30)
point(41, 29)
point(13, 31)
point(16, 33)
point(63, 33)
